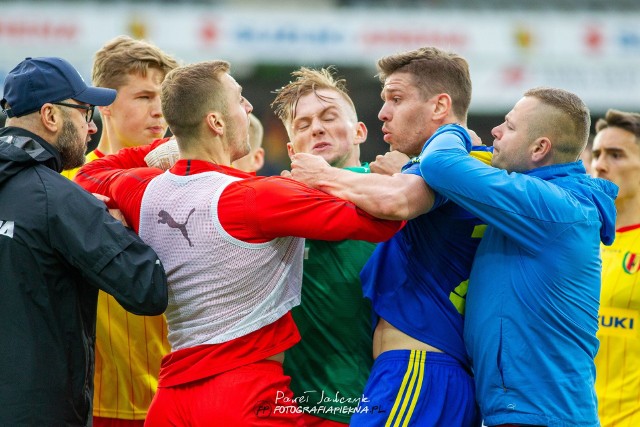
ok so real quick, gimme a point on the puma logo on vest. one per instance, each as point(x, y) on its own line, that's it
point(165, 218)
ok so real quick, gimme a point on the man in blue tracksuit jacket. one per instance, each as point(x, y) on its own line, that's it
point(532, 304)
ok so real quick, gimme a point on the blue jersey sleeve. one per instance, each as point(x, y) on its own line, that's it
point(528, 209)
point(458, 135)
point(413, 168)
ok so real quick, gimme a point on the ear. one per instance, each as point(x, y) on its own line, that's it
point(290, 150)
point(361, 133)
point(541, 150)
point(215, 123)
point(51, 118)
point(441, 106)
point(105, 111)
point(258, 159)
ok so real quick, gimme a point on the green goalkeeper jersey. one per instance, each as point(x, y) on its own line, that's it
point(331, 364)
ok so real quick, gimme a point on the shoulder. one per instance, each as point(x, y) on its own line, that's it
point(270, 184)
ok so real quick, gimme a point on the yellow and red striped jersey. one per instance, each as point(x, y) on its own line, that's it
point(129, 350)
point(618, 359)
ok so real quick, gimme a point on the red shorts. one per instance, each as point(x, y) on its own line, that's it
point(116, 422)
point(313, 421)
point(257, 394)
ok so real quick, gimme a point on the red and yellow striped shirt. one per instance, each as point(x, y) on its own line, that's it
point(618, 359)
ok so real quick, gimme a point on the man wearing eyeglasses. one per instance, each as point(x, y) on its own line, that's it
point(128, 348)
point(58, 247)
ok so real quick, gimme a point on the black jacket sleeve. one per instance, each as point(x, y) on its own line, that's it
point(111, 257)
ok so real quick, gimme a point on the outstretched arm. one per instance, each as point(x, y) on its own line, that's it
point(399, 196)
point(259, 209)
point(122, 177)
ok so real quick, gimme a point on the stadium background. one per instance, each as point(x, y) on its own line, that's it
point(591, 47)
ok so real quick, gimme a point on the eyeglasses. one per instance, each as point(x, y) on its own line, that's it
point(89, 109)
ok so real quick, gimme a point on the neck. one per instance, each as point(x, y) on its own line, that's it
point(51, 138)
point(351, 162)
point(462, 123)
point(453, 119)
point(211, 151)
point(108, 144)
point(628, 212)
point(31, 124)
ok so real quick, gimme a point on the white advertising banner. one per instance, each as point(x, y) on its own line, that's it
point(596, 55)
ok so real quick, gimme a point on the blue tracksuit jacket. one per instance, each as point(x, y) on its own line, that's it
point(532, 305)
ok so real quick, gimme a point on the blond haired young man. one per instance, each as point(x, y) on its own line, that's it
point(616, 158)
point(333, 358)
point(129, 348)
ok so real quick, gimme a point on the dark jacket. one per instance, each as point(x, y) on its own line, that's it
point(58, 247)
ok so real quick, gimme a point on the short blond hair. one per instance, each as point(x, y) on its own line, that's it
point(308, 80)
point(122, 56)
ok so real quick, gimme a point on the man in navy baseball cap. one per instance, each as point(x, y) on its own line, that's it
point(59, 247)
point(47, 100)
point(37, 81)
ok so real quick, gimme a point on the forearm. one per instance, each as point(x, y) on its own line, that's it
point(109, 256)
point(125, 187)
point(95, 176)
point(524, 208)
point(399, 197)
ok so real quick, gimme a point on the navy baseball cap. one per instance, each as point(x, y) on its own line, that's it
point(36, 81)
